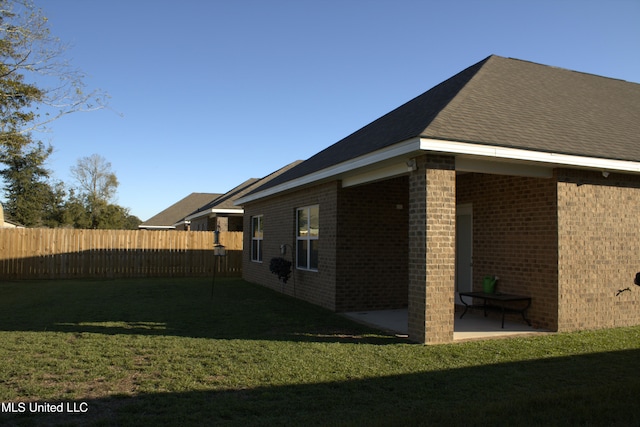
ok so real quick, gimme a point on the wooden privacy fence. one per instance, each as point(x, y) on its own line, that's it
point(34, 253)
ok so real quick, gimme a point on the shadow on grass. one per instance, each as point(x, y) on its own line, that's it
point(177, 307)
point(544, 392)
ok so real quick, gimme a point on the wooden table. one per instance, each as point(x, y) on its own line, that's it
point(498, 302)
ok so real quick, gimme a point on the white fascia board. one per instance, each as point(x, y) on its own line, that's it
point(539, 163)
point(396, 150)
point(156, 227)
point(213, 211)
point(505, 153)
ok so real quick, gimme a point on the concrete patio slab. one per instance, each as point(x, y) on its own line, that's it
point(473, 326)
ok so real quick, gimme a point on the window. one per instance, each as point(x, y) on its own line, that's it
point(307, 226)
point(256, 238)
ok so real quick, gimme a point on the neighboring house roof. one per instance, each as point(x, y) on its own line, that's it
point(6, 222)
point(225, 204)
point(501, 108)
point(176, 212)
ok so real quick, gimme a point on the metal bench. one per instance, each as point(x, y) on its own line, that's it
point(499, 302)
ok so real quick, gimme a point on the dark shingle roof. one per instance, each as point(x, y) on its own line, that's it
point(180, 209)
point(521, 104)
point(510, 103)
point(227, 200)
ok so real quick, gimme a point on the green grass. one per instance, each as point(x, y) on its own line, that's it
point(161, 352)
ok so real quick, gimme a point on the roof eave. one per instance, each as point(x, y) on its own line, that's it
point(213, 211)
point(543, 161)
point(541, 158)
point(404, 148)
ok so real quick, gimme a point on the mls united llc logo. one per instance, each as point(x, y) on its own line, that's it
point(35, 407)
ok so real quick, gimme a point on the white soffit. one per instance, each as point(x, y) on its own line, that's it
point(481, 165)
point(378, 174)
point(542, 158)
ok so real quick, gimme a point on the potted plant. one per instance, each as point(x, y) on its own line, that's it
point(280, 267)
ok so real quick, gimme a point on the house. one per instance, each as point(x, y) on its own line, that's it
point(509, 168)
point(222, 213)
point(173, 217)
point(6, 223)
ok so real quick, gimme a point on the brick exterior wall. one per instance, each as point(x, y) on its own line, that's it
point(515, 237)
point(571, 242)
point(365, 269)
point(372, 249)
point(234, 223)
point(199, 224)
point(599, 250)
point(279, 213)
point(432, 216)
point(222, 223)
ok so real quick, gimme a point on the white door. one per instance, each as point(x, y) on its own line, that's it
point(464, 250)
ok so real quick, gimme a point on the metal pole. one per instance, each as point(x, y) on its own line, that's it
point(215, 260)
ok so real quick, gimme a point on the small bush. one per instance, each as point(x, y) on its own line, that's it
point(280, 267)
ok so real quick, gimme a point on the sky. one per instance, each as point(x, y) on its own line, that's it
point(205, 94)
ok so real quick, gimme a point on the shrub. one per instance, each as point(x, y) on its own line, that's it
point(281, 267)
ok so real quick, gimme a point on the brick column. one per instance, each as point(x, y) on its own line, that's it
point(432, 225)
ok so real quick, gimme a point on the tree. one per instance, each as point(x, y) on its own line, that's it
point(37, 86)
point(27, 50)
point(95, 178)
point(29, 53)
point(97, 185)
point(30, 198)
point(75, 213)
point(54, 208)
point(113, 217)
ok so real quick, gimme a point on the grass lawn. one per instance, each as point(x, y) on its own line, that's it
point(161, 352)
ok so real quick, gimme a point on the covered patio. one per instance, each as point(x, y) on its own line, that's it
point(445, 227)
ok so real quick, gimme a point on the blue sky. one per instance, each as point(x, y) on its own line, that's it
point(205, 94)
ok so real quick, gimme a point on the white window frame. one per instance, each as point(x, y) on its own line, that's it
point(256, 240)
point(307, 237)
